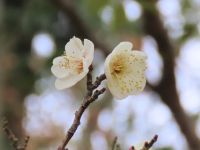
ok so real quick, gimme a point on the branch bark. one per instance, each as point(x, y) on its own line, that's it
point(12, 137)
point(90, 97)
point(167, 86)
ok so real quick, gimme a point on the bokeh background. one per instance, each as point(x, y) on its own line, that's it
point(33, 32)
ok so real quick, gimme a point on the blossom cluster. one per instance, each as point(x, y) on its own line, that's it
point(124, 67)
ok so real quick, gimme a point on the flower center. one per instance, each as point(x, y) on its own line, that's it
point(64, 64)
point(75, 65)
point(117, 67)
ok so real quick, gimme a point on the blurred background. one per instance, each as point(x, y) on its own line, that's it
point(33, 32)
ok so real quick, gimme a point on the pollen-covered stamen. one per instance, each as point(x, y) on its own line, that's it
point(117, 68)
point(75, 65)
point(117, 65)
point(64, 63)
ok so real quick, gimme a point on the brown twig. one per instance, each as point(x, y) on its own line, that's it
point(89, 81)
point(90, 97)
point(148, 145)
point(14, 140)
point(98, 81)
point(114, 143)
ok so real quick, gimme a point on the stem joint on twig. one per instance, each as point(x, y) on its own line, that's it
point(90, 97)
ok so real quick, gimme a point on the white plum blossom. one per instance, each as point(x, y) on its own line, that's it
point(125, 70)
point(73, 65)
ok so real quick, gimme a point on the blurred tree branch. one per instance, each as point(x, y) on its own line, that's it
point(16, 75)
point(114, 143)
point(68, 8)
point(12, 137)
point(147, 145)
point(167, 86)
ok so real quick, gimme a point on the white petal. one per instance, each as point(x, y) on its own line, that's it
point(131, 84)
point(57, 60)
point(123, 46)
point(112, 84)
point(139, 54)
point(74, 47)
point(69, 81)
point(114, 89)
point(85, 66)
point(132, 78)
point(89, 51)
point(58, 71)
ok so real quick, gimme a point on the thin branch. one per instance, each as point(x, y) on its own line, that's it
point(98, 81)
point(166, 88)
point(114, 143)
point(26, 140)
point(90, 97)
point(148, 145)
point(12, 137)
point(89, 81)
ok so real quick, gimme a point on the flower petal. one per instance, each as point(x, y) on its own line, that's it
point(69, 81)
point(74, 47)
point(112, 83)
point(89, 51)
point(57, 60)
point(123, 46)
point(58, 71)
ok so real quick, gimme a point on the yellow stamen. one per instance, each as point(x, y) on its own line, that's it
point(72, 63)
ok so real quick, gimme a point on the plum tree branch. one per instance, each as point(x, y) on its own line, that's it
point(167, 86)
point(92, 95)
